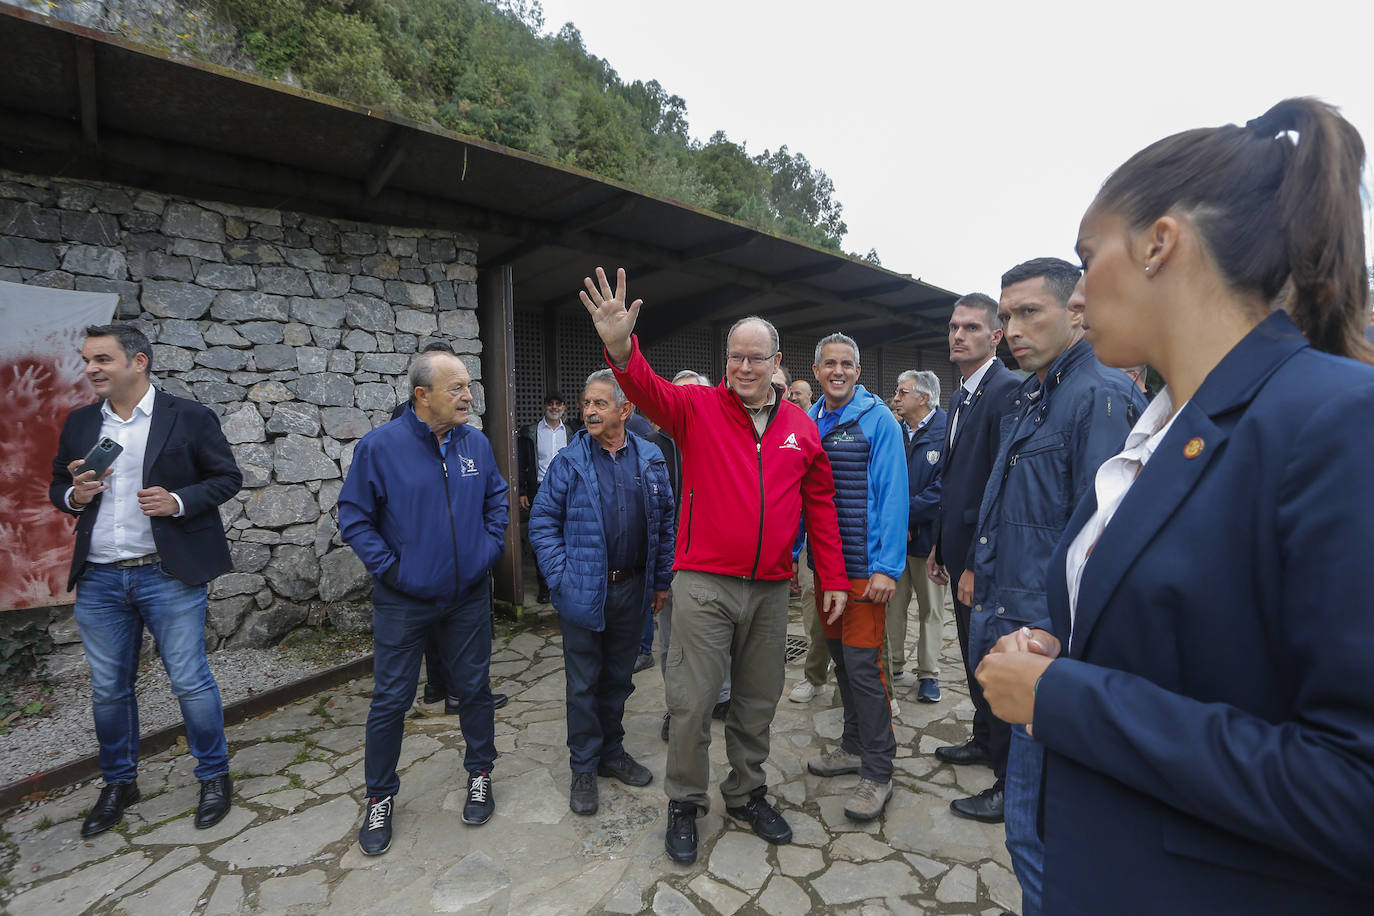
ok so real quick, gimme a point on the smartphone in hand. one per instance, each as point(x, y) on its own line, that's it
point(101, 457)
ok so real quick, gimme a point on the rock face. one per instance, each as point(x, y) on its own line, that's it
point(297, 330)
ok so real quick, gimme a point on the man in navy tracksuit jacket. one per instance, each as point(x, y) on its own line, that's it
point(425, 509)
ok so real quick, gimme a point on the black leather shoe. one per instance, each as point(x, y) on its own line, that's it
point(543, 596)
point(644, 662)
point(108, 809)
point(963, 754)
point(216, 798)
point(374, 837)
point(667, 720)
point(721, 710)
point(765, 820)
point(451, 705)
point(582, 798)
point(433, 694)
point(481, 803)
point(681, 839)
point(986, 806)
point(626, 769)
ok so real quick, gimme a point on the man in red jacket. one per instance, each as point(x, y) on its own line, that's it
point(752, 464)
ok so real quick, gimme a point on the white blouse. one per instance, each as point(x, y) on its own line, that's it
point(1112, 483)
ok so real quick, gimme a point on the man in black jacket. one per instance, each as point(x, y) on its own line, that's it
point(975, 414)
point(535, 447)
point(148, 539)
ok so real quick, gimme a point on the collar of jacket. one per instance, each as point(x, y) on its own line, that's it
point(1061, 368)
point(745, 411)
point(1236, 379)
point(421, 429)
point(861, 403)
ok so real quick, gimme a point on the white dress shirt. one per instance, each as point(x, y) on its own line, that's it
point(121, 530)
point(1112, 483)
point(964, 392)
point(549, 441)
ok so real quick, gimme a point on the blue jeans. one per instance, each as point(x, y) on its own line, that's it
point(646, 641)
point(113, 605)
point(600, 669)
point(1024, 762)
point(401, 626)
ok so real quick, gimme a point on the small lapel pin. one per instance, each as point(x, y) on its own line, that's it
point(1193, 448)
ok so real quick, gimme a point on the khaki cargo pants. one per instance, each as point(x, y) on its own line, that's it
point(722, 622)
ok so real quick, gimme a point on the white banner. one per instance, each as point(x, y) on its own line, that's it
point(41, 331)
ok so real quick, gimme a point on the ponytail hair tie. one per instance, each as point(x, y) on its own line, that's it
point(1266, 126)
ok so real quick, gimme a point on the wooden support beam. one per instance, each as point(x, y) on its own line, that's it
point(621, 203)
point(496, 318)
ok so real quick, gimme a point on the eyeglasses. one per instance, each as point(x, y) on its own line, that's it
point(738, 359)
point(905, 391)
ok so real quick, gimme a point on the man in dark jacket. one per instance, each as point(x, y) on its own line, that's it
point(918, 404)
point(602, 529)
point(148, 539)
point(424, 507)
point(976, 410)
point(436, 688)
point(536, 446)
point(1068, 417)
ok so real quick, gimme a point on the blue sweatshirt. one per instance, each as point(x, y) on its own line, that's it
point(428, 523)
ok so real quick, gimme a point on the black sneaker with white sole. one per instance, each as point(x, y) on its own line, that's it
point(481, 804)
point(375, 835)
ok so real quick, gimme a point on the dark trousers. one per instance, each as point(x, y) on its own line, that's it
point(988, 730)
point(599, 669)
point(401, 626)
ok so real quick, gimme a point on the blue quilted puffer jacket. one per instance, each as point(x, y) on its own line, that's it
point(568, 534)
point(867, 452)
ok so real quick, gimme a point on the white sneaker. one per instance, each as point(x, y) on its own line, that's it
point(804, 692)
point(903, 679)
point(896, 710)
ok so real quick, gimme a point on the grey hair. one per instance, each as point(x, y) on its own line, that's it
point(692, 374)
point(422, 368)
point(838, 338)
point(748, 319)
point(923, 382)
point(607, 376)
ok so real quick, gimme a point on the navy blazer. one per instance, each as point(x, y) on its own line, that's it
point(923, 453)
point(1210, 730)
point(189, 456)
point(967, 465)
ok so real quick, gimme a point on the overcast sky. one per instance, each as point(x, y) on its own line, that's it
point(963, 138)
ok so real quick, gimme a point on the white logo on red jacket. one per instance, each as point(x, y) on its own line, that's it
point(790, 442)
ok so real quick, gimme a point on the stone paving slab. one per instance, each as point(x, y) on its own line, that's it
point(289, 845)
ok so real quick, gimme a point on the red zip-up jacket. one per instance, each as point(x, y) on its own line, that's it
point(742, 494)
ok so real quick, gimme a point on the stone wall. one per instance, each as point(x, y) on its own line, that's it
point(296, 330)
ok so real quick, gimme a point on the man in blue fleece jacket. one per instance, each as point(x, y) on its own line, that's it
point(425, 509)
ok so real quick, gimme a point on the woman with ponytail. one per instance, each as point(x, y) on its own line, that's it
point(1207, 698)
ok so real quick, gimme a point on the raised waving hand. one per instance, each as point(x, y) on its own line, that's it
point(614, 321)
